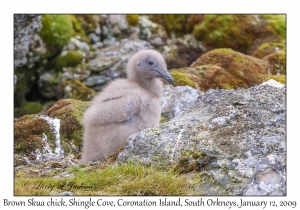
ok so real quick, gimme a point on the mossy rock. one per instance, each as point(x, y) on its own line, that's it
point(68, 59)
point(74, 89)
point(268, 48)
point(28, 108)
point(224, 68)
point(88, 22)
point(277, 61)
point(57, 30)
point(132, 19)
point(30, 130)
point(70, 112)
point(239, 32)
point(221, 31)
point(276, 23)
point(173, 23)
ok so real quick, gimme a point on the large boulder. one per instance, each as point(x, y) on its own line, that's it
point(234, 140)
point(225, 68)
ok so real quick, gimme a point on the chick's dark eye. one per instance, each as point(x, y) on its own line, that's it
point(150, 63)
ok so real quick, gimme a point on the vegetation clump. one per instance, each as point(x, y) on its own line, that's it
point(57, 30)
point(132, 19)
point(68, 59)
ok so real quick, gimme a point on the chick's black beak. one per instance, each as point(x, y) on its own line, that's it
point(164, 74)
point(167, 76)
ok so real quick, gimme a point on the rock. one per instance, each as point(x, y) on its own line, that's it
point(182, 51)
point(96, 81)
point(119, 20)
point(234, 140)
point(269, 178)
point(148, 29)
point(177, 99)
point(66, 194)
point(25, 27)
point(111, 61)
point(48, 84)
point(156, 41)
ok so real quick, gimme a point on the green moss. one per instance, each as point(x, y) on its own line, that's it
point(220, 31)
point(126, 179)
point(70, 59)
point(57, 30)
point(198, 154)
point(181, 79)
point(132, 19)
point(267, 45)
point(277, 23)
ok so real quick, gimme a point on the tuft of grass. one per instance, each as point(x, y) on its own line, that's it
point(125, 179)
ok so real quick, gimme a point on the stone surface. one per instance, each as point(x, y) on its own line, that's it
point(227, 136)
point(178, 99)
point(25, 27)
